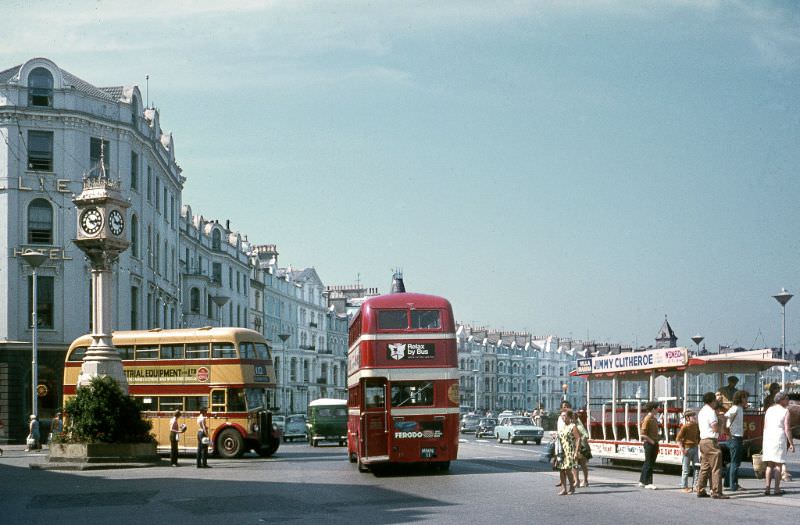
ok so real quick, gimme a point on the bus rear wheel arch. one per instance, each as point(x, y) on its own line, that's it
point(230, 444)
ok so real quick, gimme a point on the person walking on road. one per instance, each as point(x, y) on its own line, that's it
point(688, 438)
point(777, 439)
point(202, 439)
point(710, 453)
point(648, 432)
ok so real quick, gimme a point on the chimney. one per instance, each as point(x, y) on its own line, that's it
point(397, 282)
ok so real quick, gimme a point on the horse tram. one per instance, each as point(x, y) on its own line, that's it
point(619, 385)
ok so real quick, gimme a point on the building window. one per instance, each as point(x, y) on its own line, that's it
point(40, 222)
point(157, 255)
point(149, 310)
point(216, 272)
point(158, 195)
point(96, 147)
point(149, 183)
point(134, 170)
point(135, 236)
point(40, 88)
point(216, 240)
point(44, 301)
point(134, 307)
point(194, 300)
point(134, 111)
point(40, 150)
point(149, 250)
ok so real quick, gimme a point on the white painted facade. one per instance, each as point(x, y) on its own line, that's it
point(53, 126)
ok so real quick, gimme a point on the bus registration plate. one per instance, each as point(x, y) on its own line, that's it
point(428, 452)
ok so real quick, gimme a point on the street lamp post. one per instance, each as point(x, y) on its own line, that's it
point(697, 340)
point(220, 301)
point(284, 338)
point(475, 385)
point(783, 298)
point(35, 259)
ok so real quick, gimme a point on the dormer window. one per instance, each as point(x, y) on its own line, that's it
point(40, 88)
point(216, 240)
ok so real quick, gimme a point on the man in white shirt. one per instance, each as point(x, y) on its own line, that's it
point(734, 418)
point(711, 455)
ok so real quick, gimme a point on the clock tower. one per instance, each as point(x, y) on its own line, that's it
point(102, 236)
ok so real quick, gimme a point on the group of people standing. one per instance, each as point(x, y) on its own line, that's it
point(723, 412)
point(176, 429)
point(698, 439)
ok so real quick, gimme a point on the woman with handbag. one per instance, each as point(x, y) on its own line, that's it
point(584, 454)
point(202, 439)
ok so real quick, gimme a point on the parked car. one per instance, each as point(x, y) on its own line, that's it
point(486, 427)
point(280, 422)
point(469, 423)
point(295, 427)
point(518, 428)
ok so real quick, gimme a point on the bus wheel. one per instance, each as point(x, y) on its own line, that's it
point(362, 467)
point(352, 457)
point(230, 444)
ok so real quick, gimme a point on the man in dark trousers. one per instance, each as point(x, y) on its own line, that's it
point(648, 433)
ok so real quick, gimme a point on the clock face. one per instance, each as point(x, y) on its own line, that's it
point(116, 223)
point(91, 221)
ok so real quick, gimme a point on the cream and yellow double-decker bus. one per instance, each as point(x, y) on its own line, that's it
point(228, 371)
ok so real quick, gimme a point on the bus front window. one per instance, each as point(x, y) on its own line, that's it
point(416, 393)
point(256, 398)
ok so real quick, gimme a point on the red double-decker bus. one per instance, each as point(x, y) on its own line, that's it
point(403, 382)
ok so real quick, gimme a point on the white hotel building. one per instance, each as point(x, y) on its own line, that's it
point(53, 127)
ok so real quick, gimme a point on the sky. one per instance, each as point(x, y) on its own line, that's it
point(574, 168)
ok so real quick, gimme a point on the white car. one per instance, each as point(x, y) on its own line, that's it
point(518, 428)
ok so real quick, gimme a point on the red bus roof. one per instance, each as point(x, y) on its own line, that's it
point(402, 300)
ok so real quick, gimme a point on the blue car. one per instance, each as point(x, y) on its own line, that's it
point(295, 427)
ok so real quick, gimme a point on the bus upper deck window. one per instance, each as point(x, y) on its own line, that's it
point(78, 353)
point(197, 351)
point(247, 350)
point(147, 352)
point(125, 352)
point(392, 320)
point(425, 319)
point(262, 351)
point(223, 350)
point(172, 352)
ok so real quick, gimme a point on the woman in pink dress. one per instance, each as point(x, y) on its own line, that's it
point(777, 438)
